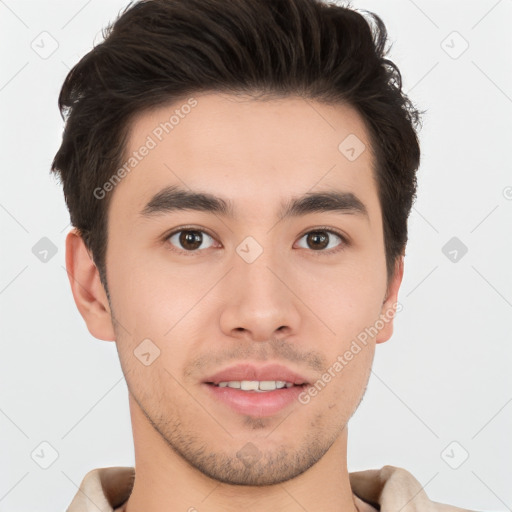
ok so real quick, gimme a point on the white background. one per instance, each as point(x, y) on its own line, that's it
point(443, 377)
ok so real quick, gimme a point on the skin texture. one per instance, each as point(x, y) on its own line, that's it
point(293, 305)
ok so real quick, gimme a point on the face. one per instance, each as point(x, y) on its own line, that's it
point(227, 288)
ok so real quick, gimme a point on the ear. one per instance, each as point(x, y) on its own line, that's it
point(388, 310)
point(88, 292)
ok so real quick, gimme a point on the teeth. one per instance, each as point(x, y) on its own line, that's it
point(255, 385)
point(269, 385)
point(248, 385)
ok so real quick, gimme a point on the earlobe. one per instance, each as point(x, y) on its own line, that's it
point(88, 292)
point(388, 310)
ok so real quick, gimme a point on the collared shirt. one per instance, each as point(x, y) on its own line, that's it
point(389, 489)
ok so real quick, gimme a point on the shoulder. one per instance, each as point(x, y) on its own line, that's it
point(105, 487)
point(392, 488)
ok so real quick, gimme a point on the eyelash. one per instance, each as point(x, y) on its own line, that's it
point(344, 241)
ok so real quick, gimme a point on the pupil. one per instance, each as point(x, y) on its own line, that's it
point(191, 239)
point(319, 240)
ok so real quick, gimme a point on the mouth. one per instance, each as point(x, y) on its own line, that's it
point(255, 391)
point(249, 377)
point(258, 386)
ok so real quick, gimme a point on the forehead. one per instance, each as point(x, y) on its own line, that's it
point(246, 149)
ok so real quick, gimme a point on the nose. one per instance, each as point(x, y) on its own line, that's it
point(261, 303)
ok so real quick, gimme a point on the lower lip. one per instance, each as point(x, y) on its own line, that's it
point(254, 403)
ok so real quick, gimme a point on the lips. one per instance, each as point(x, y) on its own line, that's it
point(258, 391)
point(250, 372)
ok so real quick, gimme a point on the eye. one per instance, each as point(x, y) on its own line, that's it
point(323, 239)
point(190, 240)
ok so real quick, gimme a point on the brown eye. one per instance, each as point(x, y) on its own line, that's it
point(189, 239)
point(319, 240)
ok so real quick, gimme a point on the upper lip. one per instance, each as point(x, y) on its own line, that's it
point(249, 371)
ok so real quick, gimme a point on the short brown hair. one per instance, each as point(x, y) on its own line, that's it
point(159, 51)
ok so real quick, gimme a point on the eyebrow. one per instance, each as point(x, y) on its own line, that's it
point(174, 198)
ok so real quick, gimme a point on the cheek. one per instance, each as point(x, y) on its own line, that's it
point(151, 296)
point(339, 390)
point(346, 300)
point(155, 302)
point(349, 307)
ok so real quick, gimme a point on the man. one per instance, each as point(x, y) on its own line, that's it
point(239, 176)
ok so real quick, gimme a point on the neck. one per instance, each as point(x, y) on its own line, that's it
point(164, 481)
